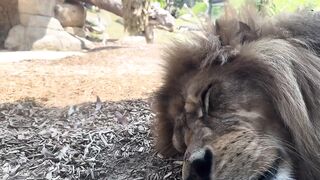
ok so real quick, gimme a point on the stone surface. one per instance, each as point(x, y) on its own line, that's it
point(40, 30)
point(70, 15)
point(161, 17)
point(40, 21)
point(37, 38)
point(37, 7)
point(61, 41)
point(15, 38)
point(75, 31)
point(8, 18)
point(48, 42)
point(60, 1)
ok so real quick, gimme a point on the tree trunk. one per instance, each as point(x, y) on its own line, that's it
point(113, 6)
point(134, 13)
point(136, 18)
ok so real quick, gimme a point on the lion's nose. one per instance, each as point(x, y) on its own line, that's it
point(198, 165)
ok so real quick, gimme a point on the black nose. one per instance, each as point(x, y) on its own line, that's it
point(201, 165)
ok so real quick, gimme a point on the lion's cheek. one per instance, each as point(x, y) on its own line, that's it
point(178, 142)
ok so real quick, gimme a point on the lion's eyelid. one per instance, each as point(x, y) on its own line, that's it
point(207, 99)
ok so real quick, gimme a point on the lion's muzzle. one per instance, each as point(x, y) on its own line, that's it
point(198, 165)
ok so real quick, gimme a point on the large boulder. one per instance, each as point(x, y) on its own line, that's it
point(39, 38)
point(40, 21)
point(15, 38)
point(39, 7)
point(40, 30)
point(61, 41)
point(9, 17)
point(70, 15)
point(77, 31)
point(161, 17)
point(58, 41)
point(60, 1)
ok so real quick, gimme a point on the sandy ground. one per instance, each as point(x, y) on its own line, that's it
point(113, 73)
point(17, 56)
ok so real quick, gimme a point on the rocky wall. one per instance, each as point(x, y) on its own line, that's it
point(9, 17)
point(42, 26)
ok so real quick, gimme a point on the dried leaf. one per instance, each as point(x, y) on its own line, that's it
point(71, 110)
point(113, 143)
point(98, 104)
point(121, 119)
point(63, 152)
point(167, 175)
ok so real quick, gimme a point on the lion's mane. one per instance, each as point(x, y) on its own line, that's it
point(281, 55)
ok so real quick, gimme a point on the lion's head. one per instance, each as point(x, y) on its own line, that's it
point(242, 100)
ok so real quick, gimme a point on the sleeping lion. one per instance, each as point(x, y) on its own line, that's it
point(241, 100)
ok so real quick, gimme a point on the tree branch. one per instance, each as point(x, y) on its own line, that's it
point(113, 6)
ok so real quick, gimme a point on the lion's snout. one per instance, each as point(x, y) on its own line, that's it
point(198, 164)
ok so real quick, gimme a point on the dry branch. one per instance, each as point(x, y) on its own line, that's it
point(113, 6)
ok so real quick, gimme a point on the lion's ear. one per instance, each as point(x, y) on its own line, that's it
point(234, 33)
point(245, 33)
point(243, 27)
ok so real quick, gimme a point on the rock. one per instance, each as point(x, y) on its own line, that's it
point(15, 38)
point(40, 21)
point(57, 42)
point(38, 38)
point(97, 24)
point(159, 16)
point(86, 44)
point(40, 30)
point(22, 38)
point(75, 31)
point(38, 7)
point(9, 17)
point(103, 38)
point(61, 41)
point(60, 1)
point(49, 42)
point(70, 15)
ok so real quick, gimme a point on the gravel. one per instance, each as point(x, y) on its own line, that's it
point(100, 140)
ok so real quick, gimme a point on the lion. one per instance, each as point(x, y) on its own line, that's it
point(241, 100)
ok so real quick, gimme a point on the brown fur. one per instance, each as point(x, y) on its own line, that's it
point(275, 60)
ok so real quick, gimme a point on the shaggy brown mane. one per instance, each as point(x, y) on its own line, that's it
point(281, 55)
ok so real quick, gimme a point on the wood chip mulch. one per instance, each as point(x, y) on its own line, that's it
point(101, 140)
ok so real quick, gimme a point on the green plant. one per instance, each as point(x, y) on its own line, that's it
point(217, 10)
point(277, 6)
point(199, 8)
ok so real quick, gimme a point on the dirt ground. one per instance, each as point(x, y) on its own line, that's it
point(53, 126)
point(113, 73)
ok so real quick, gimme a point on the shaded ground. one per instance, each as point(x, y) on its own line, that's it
point(110, 140)
point(52, 126)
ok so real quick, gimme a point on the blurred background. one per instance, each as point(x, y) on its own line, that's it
point(37, 25)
